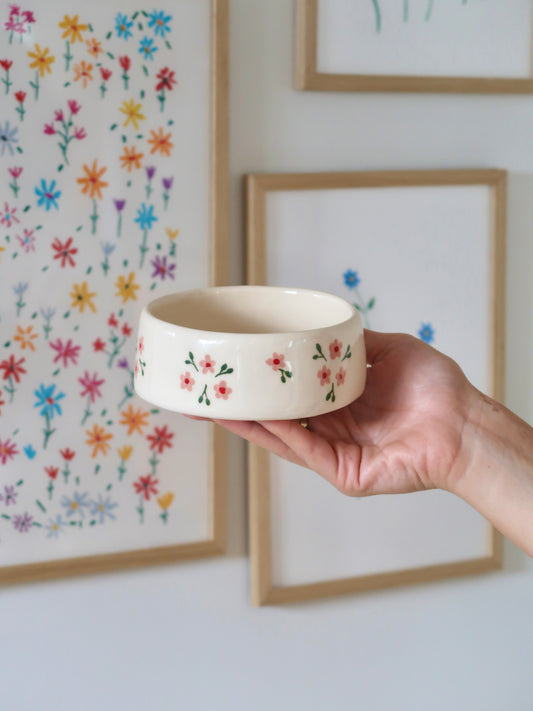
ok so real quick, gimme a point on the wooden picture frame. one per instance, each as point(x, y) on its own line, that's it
point(258, 189)
point(309, 77)
point(217, 12)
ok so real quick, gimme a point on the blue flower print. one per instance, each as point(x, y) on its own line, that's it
point(160, 22)
point(8, 138)
point(123, 25)
point(426, 333)
point(147, 48)
point(47, 195)
point(29, 451)
point(351, 279)
point(47, 399)
point(76, 504)
point(54, 526)
point(102, 508)
point(145, 217)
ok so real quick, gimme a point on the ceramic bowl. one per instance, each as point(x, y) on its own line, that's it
point(250, 353)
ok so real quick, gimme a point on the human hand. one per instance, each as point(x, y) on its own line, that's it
point(403, 434)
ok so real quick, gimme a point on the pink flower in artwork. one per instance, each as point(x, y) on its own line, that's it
point(14, 9)
point(15, 171)
point(91, 385)
point(112, 321)
point(8, 450)
point(59, 115)
point(73, 106)
point(141, 345)
point(28, 17)
point(27, 241)
point(324, 375)
point(49, 129)
point(222, 390)
point(277, 361)
point(187, 381)
point(11, 25)
point(7, 217)
point(341, 376)
point(335, 349)
point(79, 133)
point(66, 351)
point(207, 365)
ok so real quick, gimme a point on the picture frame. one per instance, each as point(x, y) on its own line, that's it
point(88, 53)
point(341, 72)
point(322, 215)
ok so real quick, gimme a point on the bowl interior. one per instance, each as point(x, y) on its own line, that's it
point(252, 310)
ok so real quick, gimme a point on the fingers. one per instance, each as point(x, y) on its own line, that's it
point(375, 343)
point(256, 433)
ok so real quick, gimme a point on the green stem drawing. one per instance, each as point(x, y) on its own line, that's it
point(429, 10)
point(10, 388)
point(119, 226)
point(103, 89)
point(153, 461)
point(405, 10)
point(319, 354)
point(121, 470)
point(20, 304)
point(161, 98)
point(378, 15)
point(140, 509)
point(6, 81)
point(143, 248)
point(20, 111)
point(35, 84)
point(68, 56)
point(125, 78)
point(284, 374)
point(47, 431)
point(50, 489)
point(224, 370)
point(15, 187)
point(172, 245)
point(94, 217)
point(164, 516)
point(204, 393)
point(116, 349)
point(348, 353)
point(87, 412)
point(66, 472)
point(190, 361)
point(331, 394)
point(364, 307)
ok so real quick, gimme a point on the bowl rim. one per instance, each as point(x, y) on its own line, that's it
point(146, 311)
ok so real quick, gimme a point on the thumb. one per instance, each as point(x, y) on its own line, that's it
point(377, 344)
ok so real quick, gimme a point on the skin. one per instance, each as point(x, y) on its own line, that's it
point(419, 425)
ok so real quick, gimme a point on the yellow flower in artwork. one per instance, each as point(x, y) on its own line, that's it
point(125, 452)
point(73, 28)
point(165, 500)
point(81, 297)
point(133, 113)
point(42, 60)
point(25, 336)
point(98, 439)
point(2, 249)
point(82, 72)
point(171, 234)
point(127, 287)
point(134, 420)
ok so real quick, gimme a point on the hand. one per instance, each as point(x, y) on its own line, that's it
point(403, 434)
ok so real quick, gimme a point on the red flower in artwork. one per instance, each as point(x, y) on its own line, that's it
point(146, 486)
point(6, 64)
point(2, 402)
point(12, 367)
point(59, 115)
point(91, 385)
point(160, 439)
point(112, 321)
point(324, 375)
point(49, 129)
point(64, 251)
point(28, 17)
point(73, 106)
point(126, 330)
point(66, 351)
point(98, 345)
point(222, 390)
point(52, 472)
point(335, 349)
point(67, 454)
point(125, 63)
point(106, 73)
point(15, 172)
point(166, 79)
point(187, 381)
point(20, 96)
point(8, 449)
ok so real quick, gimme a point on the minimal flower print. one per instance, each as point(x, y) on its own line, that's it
point(160, 142)
point(340, 377)
point(207, 364)
point(98, 438)
point(164, 502)
point(172, 234)
point(83, 73)
point(187, 381)
point(6, 65)
point(159, 22)
point(20, 96)
point(146, 486)
point(15, 172)
point(160, 439)
point(94, 47)
point(123, 26)
point(147, 48)
point(76, 504)
point(8, 138)
point(22, 522)
point(8, 216)
point(8, 450)
point(222, 390)
point(47, 194)
point(65, 251)
point(92, 186)
point(165, 82)
point(119, 205)
point(134, 420)
point(29, 451)
point(82, 297)
point(426, 333)
point(145, 219)
point(125, 63)
point(10, 495)
point(102, 508)
point(52, 473)
point(335, 349)
point(54, 526)
point(124, 453)
point(48, 401)
point(47, 314)
point(25, 337)
point(19, 290)
point(91, 390)
point(162, 269)
point(63, 127)
point(352, 281)
point(68, 455)
point(66, 351)
point(12, 371)
point(27, 241)
point(2, 401)
point(106, 76)
point(131, 159)
point(324, 375)
point(277, 363)
point(42, 62)
point(167, 184)
point(72, 33)
point(132, 110)
point(127, 287)
point(351, 278)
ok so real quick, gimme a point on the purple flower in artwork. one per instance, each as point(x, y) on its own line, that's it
point(150, 171)
point(162, 269)
point(119, 204)
point(10, 495)
point(22, 522)
point(167, 183)
point(123, 363)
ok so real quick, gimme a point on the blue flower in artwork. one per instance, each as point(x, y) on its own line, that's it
point(102, 508)
point(54, 526)
point(29, 451)
point(107, 248)
point(160, 22)
point(147, 48)
point(145, 217)
point(351, 279)
point(47, 195)
point(48, 313)
point(75, 504)
point(8, 138)
point(20, 288)
point(426, 333)
point(123, 25)
point(48, 400)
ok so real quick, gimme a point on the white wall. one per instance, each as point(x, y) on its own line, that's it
point(186, 637)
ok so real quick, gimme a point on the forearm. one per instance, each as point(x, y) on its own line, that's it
point(497, 469)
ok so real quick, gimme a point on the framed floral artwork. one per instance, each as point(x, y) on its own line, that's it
point(113, 167)
point(469, 46)
point(419, 252)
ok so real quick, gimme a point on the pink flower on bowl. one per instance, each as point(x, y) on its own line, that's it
point(222, 390)
point(341, 376)
point(207, 365)
point(335, 349)
point(141, 345)
point(277, 361)
point(324, 375)
point(136, 371)
point(187, 381)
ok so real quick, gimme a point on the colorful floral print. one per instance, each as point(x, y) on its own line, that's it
point(426, 333)
point(8, 138)
point(325, 374)
point(208, 367)
point(278, 365)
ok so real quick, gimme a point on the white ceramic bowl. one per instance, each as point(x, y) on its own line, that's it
point(250, 353)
